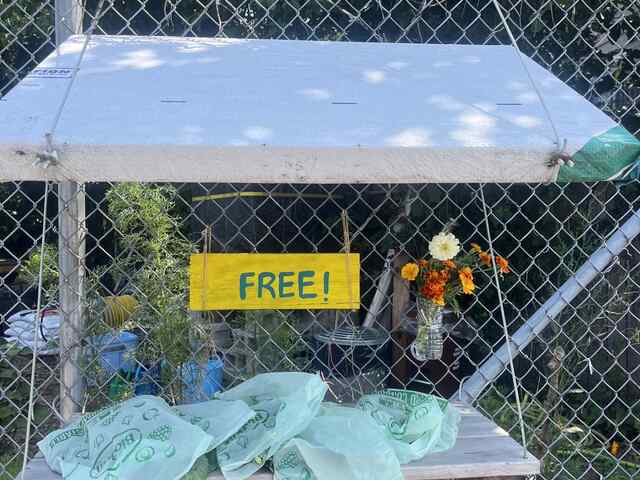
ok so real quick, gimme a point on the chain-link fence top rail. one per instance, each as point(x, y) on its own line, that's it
point(580, 378)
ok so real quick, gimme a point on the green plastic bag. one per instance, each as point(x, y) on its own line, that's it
point(414, 423)
point(341, 443)
point(220, 419)
point(141, 438)
point(285, 404)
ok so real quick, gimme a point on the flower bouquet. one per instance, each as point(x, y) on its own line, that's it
point(439, 280)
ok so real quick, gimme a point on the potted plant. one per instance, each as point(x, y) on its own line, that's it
point(152, 264)
point(438, 280)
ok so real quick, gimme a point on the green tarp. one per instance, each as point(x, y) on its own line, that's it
point(613, 155)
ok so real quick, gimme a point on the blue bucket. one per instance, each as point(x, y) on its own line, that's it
point(115, 351)
point(147, 379)
point(201, 381)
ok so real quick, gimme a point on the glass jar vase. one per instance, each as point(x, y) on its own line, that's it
point(430, 333)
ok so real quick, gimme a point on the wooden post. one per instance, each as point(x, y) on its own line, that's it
point(400, 369)
point(71, 248)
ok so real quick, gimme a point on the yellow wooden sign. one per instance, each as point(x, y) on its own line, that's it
point(263, 281)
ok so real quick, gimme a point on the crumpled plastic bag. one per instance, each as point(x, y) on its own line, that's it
point(285, 403)
point(219, 418)
point(341, 443)
point(414, 423)
point(276, 415)
point(140, 438)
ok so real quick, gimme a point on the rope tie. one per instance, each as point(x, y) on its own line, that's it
point(503, 317)
point(558, 159)
point(346, 235)
point(207, 248)
point(538, 92)
point(34, 347)
point(561, 156)
point(49, 156)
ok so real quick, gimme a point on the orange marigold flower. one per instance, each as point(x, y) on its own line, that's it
point(485, 258)
point(466, 280)
point(503, 264)
point(433, 292)
point(435, 283)
point(439, 300)
point(615, 448)
point(476, 248)
point(449, 264)
point(410, 271)
point(444, 276)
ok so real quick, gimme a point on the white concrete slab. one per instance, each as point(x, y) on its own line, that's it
point(198, 109)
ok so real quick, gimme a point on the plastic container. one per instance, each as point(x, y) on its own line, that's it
point(202, 381)
point(120, 386)
point(148, 379)
point(115, 351)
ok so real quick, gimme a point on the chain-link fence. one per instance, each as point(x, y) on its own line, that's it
point(580, 377)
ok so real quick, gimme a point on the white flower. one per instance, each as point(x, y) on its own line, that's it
point(444, 246)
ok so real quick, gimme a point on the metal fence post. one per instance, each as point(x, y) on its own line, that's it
point(68, 19)
point(71, 225)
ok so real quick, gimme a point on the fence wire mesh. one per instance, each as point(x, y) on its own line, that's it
point(580, 377)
